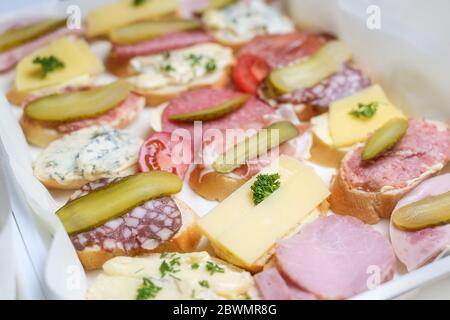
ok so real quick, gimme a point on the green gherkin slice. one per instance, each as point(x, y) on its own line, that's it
point(254, 146)
point(78, 105)
point(99, 206)
point(426, 213)
point(151, 29)
point(213, 112)
point(384, 138)
point(15, 37)
point(305, 74)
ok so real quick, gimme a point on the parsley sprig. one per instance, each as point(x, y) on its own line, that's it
point(365, 110)
point(148, 290)
point(214, 268)
point(264, 186)
point(204, 283)
point(48, 64)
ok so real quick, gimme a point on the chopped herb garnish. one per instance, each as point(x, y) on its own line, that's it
point(204, 284)
point(148, 290)
point(214, 267)
point(365, 110)
point(167, 68)
point(195, 59)
point(193, 294)
point(264, 186)
point(164, 255)
point(211, 66)
point(169, 267)
point(195, 266)
point(48, 64)
point(138, 2)
point(175, 261)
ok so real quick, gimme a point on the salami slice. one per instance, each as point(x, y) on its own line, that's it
point(344, 83)
point(251, 115)
point(144, 227)
point(280, 50)
point(167, 42)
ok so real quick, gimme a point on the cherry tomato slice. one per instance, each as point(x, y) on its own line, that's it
point(156, 154)
point(249, 72)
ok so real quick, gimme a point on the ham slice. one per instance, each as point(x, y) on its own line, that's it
point(336, 257)
point(167, 42)
point(273, 286)
point(10, 58)
point(417, 248)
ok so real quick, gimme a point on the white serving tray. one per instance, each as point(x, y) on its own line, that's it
point(51, 253)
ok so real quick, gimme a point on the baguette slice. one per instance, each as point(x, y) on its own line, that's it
point(186, 240)
point(370, 206)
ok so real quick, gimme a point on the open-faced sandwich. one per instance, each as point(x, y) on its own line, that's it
point(350, 121)
point(129, 216)
point(48, 118)
point(64, 64)
point(373, 177)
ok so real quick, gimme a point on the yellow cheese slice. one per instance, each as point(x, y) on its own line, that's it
point(346, 130)
point(120, 13)
point(76, 55)
point(246, 232)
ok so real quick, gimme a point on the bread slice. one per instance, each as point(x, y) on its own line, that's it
point(119, 67)
point(214, 186)
point(78, 183)
point(186, 240)
point(369, 206)
point(219, 79)
point(41, 134)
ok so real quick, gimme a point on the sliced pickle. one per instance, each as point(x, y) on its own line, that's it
point(78, 105)
point(17, 36)
point(384, 138)
point(305, 74)
point(254, 146)
point(429, 212)
point(213, 112)
point(100, 206)
point(216, 5)
point(150, 29)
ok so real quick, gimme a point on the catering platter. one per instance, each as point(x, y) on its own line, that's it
point(226, 240)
